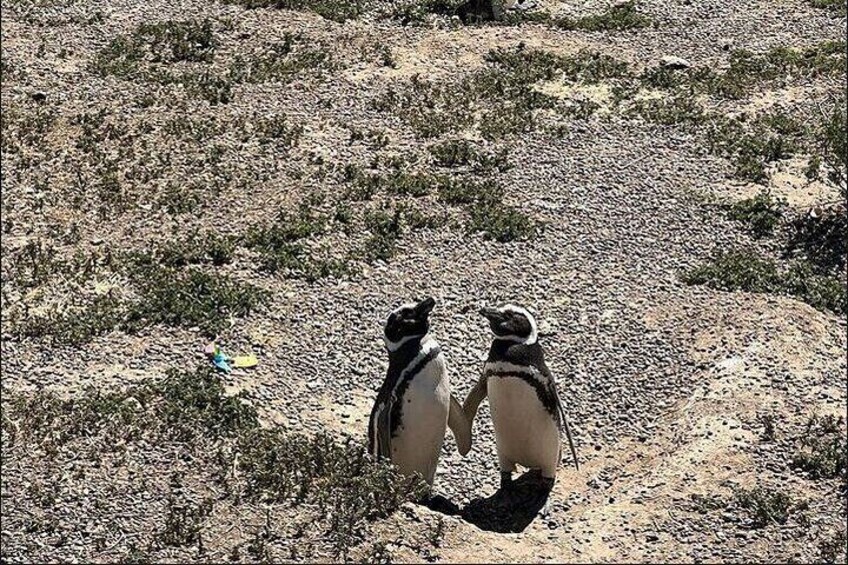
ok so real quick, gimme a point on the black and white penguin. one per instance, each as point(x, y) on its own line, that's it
point(526, 409)
point(414, 405)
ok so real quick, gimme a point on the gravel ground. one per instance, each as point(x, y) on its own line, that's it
point(664, 382)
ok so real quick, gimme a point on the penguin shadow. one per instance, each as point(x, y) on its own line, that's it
point(508, 510)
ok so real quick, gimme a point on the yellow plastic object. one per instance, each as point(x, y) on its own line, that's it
point(245, 361)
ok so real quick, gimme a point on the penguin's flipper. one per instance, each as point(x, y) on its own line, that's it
point(460, 426)
point(473, 400)
point(571, 443)
point(384, 432)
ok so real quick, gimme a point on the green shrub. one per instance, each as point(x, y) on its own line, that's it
point(335, 10)
point(462, 153)
point(501, 222)
point(173, 41)
point(682, 109)
point(188, 298)
point(339, 477)
point(196, 249)
point(745, 270)
point(78, 325)
point(464, 191)
point(761, 214)
point(191, 403)
point(837, 6)
point(281, 248)
point(823, 451)
point(751, 147)
point(336, 483)
point(618, 17)
point(385, 229)
point(180, 407)
point(280, 62)
point(766, 506)
point(163, 42)
point(832, 146)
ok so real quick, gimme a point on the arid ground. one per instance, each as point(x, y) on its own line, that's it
point(662, 182)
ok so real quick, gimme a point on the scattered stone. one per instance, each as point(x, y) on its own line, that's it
point(673, 62)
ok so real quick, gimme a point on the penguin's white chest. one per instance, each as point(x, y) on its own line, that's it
point(425, 405)
point(525, 432)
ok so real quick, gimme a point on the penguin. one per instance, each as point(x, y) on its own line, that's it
point(414, 405)
point(527, 412)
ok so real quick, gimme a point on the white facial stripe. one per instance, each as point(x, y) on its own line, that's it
point(534, 332)
point(402, 306)
point(505, 367)
point(395, 345)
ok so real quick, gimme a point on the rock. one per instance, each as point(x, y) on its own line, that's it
point(673, 62)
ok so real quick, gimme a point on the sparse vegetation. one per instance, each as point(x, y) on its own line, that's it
point(197, 249)
point(752, 147)
point(469, 192)
point(837, 6)
point(499, 99)
point(501, 222)
point(462, 153)
point(183, 522)
point(822, 238)
point(748, 70)
point(761, 214)
point(745, 270)
point(823, 449)
point(705, 503)
point(831, 147)
point(670, 111)
point(188, 298)
point(6, 68)
point(164, 183)
point(162, 291)
point(77, 325)
point(165, 42)
point(832, 549)
point(765, 506)
point(385, 229)
point(619, 17)
point(148, 55)
point(282, 249)
point(182, 406)
point(335, 10)
point(337, 481)
point(281, 62)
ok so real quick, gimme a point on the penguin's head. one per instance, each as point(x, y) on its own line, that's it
point(512, 323)
point(407, 322)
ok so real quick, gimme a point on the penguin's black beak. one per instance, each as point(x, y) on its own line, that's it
point(491, 314)
point(423, 308)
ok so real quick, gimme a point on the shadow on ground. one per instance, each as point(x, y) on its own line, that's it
point(506, 511)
